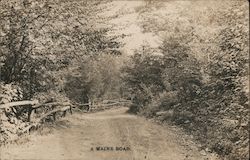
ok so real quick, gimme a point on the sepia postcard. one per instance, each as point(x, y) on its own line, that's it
point(124, 80)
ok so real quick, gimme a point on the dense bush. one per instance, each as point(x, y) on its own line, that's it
point(44, 44)
point(142, 76)
point(9, 124)
point(203, 88)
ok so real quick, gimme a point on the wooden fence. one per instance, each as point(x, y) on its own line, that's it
point(53, 108)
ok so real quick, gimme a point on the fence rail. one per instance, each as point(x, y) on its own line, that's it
point(18, 103)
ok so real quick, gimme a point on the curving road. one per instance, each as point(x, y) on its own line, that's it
point(107, 135)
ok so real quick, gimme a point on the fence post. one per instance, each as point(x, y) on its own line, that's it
point(70, 110)
point(30, 109)
point(53, 114)
point(91, 104)
point(64, 113)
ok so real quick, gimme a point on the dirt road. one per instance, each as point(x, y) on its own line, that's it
point(107, 135)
